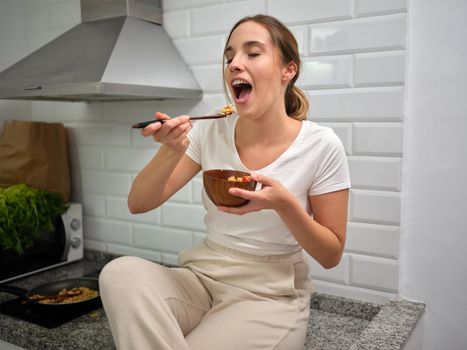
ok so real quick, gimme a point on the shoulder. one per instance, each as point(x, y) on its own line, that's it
point(323, 136)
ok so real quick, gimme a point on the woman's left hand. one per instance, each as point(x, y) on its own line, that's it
point(271, 196)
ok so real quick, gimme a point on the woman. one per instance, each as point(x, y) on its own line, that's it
point(246, 286)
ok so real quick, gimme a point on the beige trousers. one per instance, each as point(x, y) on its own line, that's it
point(219, 299)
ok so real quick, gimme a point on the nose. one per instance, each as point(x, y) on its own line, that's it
point(235, 64)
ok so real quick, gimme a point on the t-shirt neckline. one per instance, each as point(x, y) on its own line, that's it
point(293, 145)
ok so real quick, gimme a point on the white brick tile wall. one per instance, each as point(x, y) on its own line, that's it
point(73, 158)
point(344, 131)
point(363, 35)
point(107, 231)
point(301, 35)
point(171, 259)
point(369, 271)
point(129, 112)
point(339, 274)
point(209, 77)
point(105, 182)
point(93, 205)
point(137, 140)
point(34, 4)
point(94, 245)
point(76, 188)
point(375, 206)
point(117, 208)
point(177, 24)
point(65, 14)
point(354, 292)
point(90, 158)
point(376, 172)
point(197, 188)
point(132, 251)
point(161, 238)
point(38, 19)
point(378, 69)
point(183, 216)
point(47, 19)
point(127, 159)
point(184, 195)
point(219, 19)
point(326, 72)
point(202, 50)
point(372, 239)
point(65, 111)
point(293, 11)
point(104, 135)
point(363, 104)
point(168, 5)
point(379, 7)
point(377, 139)
point(353, 73)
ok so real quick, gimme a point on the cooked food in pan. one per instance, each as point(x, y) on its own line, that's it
point(66, 296)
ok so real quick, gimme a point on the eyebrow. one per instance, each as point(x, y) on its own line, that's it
point(246, 44)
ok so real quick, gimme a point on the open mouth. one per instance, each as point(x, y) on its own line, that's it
point(241, 90)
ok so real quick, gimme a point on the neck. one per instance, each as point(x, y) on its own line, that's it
point(265, 129)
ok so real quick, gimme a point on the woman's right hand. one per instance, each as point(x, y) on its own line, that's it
point(172, 133)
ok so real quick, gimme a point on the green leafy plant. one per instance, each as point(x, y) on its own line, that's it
point(25, 213)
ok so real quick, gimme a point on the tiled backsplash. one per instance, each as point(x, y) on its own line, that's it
point(353, 73)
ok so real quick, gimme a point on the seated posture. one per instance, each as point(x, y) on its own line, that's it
point(246, 286)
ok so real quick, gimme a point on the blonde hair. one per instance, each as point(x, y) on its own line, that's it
point(296, 103)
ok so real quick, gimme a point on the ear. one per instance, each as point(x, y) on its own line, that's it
point(289, 71)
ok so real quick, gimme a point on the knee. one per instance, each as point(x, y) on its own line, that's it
point(119, 271)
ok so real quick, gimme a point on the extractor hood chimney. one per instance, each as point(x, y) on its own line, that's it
point(119, 52)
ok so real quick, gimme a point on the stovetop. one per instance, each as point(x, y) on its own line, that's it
point(17, 308)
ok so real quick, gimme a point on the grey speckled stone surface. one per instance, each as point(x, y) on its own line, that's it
point(391, 327)
point(335, 323)
point(339, 323)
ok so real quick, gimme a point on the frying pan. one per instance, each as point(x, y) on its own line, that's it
point(52, 288)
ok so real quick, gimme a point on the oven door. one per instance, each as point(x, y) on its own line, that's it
point(52, 249)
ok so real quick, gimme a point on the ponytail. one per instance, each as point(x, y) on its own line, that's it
point(296, 103)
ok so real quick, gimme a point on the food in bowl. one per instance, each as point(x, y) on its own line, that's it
point(217, 183)
point(244, 178)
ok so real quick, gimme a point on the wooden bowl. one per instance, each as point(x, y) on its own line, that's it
point(217, 187)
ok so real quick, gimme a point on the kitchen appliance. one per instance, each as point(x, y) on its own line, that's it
point(52, 249)
point(120, 51)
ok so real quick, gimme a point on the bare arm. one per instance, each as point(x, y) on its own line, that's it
point(168, 171)
point(322, 236)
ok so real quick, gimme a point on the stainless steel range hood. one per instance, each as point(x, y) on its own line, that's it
point(120, 51)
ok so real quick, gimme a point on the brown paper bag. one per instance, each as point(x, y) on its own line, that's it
point(35, 153)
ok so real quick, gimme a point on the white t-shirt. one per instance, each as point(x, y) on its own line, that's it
point(315, 163)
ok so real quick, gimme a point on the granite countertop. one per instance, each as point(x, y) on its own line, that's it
point(335, 323)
